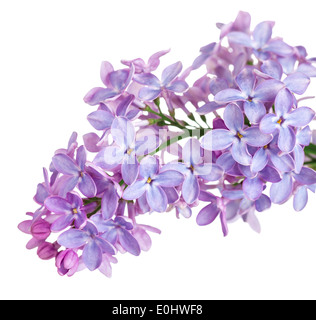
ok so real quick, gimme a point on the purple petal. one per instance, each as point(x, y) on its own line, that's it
point(96, 95)
point(128, 242)
point(65, 164)
point(297, 82)
point(240, 38)
point(270, 174)
point(123, 106)
point(156, 198)
point(73, 238)
point(169, 178)
point(229, 95)
point(281, 191)
point(254, 110)
point(259, 160)
point(307, 69)
point(262, 33)
point(217, 140)
point(105, 70)
point(109, 202)
point(90, 142)
point(135, 191)
point(272, 68)
point(178, 86)
point(209, 171)
point(299, 117)
point(263, 203)
point(283, 102)
point(153, 61)
point(269, 123)
point(169, 73)
point(252, 188)
point(123, 132)
point(171, 194)
point(240, 153)
point(119, 79)
point(148, 79)
point(130, 168)
point(287, 139)
point(307, 176)
point(87, 186)
point(105, 245)
point(284, 163)
point(62, 222)
point(148, 94)
point(149, 167)
point(66, 184)
point(254, 137)
point(207, 215)
point(226, 161)
point(58, 205)
point(304, 136)
point(234, 118)
point(92, 255)
point(190, 188)
point(299, 157)
point(101, 119)
point(246, 81)
point(267, 90)
point(209, 107)
point(279, 47)
point(300, 199)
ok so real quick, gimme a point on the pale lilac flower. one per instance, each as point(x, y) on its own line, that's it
point(151, 182)
point(75, 173)
point(261, 43)
point(300, 198)
point(70, 210)
point(94, 245)
point(253, 96)
point(154, 87)
point(236, 136)
point(194, 167)
point(116, 83)
point(285, 119)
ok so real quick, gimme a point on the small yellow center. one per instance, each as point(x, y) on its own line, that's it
point(239, 135)
point(129, 151)
point(279, 121)
point(265, 147)
point(191, 167)
point(74, 211)
point(149, 180)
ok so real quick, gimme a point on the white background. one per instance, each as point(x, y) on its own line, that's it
point(49, 58)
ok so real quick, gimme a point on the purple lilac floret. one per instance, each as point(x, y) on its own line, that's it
point(235, 143)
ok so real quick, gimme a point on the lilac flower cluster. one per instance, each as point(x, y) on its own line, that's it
point(243, 144)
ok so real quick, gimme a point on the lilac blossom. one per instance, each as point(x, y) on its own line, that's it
point(151, 182)
point(236, 136)
point(115, 81)
point(67, 262)
point(285, 119)
point(75, 173)
point(252, 96)
point(154, 87)
point(70, 210)
point(94, 245)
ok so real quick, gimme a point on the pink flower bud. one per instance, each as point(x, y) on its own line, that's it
point(67, 262)
point(40, 229)
point(47, 250)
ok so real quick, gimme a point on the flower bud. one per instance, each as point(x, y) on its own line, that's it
point(67, 262)
point(47, 251)
point(40, 229)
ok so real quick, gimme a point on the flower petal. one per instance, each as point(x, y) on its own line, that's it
point(254, 110)
point(149, 167)
point(246, 81)
point(307, 176)
point(299, 117)
point(283, 102)
point(73, 238)
point(169, 73)
point(96, 95)
point(123, 132)
point(263, 203)
point(252, 188)
point(300, 198)
point(109, 201)
point(297, 82)
point(269, 123)
point(240, 38)
point(234, 118)
point(148, 94)
point(192, 152)
point(229, 95)
point(280, 192)
point(240, 153)
point(262, 33)
point(287, 139)
point(130, 168)
point(64, 164)
point(92, 255)
point(217, 140)
point(190, 188)
point(135, 190)
point(87, 186)
point(207, 215)
point(267, 90)
point(178, 86)
point(109, 157)
point(254, 137)
point(169, 178)
point(259, 160)
point(58, 205)
point(101, 119)
point(156, 198)
point(62, 222)
point(128, 242)
point(147, 79)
